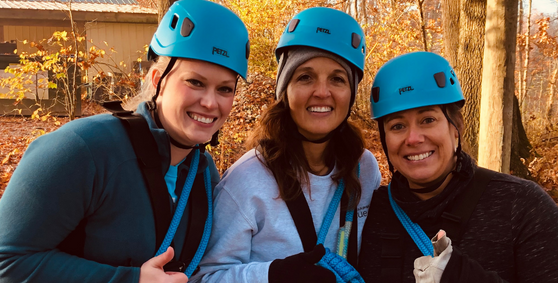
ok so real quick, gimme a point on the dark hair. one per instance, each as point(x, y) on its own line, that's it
point(284, 156)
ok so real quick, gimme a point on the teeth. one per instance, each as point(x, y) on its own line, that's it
point(420, 156)
point(320, 109)
point(201, 119)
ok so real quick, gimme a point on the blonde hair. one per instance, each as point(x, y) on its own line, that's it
point(147, 89)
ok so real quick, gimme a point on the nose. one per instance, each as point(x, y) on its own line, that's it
point(414, 136)
point(322, 89)
point(209, 99)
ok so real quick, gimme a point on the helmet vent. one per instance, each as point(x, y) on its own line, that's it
point(440, 79)
point(293, 24)
point(355, 41)
point(363, 49)
point(187, 27)
point(174, 21)
point(452, 81)
point(376, 94)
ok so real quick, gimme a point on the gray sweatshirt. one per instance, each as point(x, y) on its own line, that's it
point(252, 225)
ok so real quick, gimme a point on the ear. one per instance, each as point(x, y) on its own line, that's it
point(155, 77)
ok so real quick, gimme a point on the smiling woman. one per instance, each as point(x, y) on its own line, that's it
point(97, 209)
point(308, 171)
point(442, 218)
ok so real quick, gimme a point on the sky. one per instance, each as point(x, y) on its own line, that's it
point(544, 6)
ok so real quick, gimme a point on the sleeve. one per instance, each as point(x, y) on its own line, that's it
point(50, 192)
point(534, 218)
point(228, 253)
point(535, 222)
point(215, 177)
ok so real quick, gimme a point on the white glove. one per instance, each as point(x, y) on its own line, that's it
point(429, 269)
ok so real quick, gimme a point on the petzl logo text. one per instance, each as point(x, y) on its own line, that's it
point(404, 89)
point(220, 52)
point(322, 30)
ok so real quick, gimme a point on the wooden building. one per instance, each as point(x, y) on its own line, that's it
point(123, 26)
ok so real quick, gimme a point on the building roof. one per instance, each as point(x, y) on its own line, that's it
point(111, 6)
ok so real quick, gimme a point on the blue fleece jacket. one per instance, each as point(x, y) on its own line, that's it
point(86, 170)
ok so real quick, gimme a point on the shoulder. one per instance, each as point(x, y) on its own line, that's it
point(369, 170)
point(246, 172)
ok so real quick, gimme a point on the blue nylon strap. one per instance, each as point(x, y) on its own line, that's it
point(417, 234)
point(181, 203)
point(331, 212)
point(207, 228)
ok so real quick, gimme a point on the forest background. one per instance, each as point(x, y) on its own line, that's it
point(453, 28)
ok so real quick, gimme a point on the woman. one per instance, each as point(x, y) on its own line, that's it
point(500, 228)
point(77, 208)
point(305, 152)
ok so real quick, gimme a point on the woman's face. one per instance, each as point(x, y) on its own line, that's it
point(196, 98)
point(421, 144)
point(319, 94)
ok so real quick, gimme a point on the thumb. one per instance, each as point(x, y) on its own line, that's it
point(162, 259)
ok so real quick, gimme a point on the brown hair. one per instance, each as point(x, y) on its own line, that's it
point(284, 156)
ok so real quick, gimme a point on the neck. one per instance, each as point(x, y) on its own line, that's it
point(178, 154)
point(315, 156)
point(437, 191)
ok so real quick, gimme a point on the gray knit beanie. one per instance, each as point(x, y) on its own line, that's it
point(295, 57)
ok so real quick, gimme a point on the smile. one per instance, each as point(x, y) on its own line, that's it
point(201, 119)
point(419, 156)
point(320, 109)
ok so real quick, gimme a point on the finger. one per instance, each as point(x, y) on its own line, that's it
point(162, 259)
point(177, 277)
point(441, 234)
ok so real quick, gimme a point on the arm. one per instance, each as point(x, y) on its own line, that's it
point(49, 194)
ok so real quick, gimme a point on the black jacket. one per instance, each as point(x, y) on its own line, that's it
point(512, 235)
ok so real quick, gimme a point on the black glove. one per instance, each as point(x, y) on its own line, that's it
point(301, 268)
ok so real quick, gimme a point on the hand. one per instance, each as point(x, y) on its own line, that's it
point(301, 268)
point(152, 270)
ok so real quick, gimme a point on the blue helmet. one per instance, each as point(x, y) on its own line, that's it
point(203, 30)
point(327, 29)
point(414, 80)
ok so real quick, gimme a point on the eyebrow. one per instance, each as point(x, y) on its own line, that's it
point(305, 69)
point(427, 109)
point(194, 73)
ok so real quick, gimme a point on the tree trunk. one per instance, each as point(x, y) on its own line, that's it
point(163, 7)
point(468, 69)
point(521, 147)
point(550, 101)
point(450, 23)
point(523, 93)
point(496, 113)
point(422, 23)
point(519, 58)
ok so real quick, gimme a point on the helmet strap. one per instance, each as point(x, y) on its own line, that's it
point(383, 141)
point(458, 149)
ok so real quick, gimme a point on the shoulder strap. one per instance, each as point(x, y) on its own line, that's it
point(149, 162)
point(455, 221)
point(302, 217)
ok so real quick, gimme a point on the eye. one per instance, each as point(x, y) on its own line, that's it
point(339, 79)
point(304, 78)
point(396, 127)
point(225, 89)
point(429, 120)
point(195, 83)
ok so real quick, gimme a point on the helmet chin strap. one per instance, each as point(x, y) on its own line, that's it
point(152, 106)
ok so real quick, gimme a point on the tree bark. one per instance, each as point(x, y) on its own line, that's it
point(519, 58)
point(422, 23)
point(498, 85)
point(550, 101)
point(163, 7)
point(450, 23)
point(523, 93)
point(469, 67)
